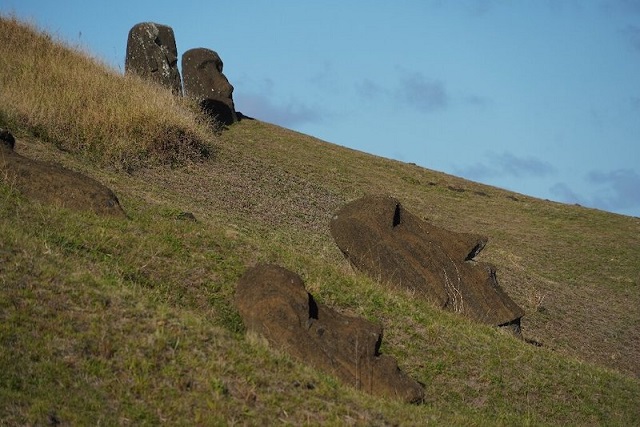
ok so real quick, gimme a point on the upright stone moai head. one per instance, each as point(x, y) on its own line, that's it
point(204, 81)
point(152, 54)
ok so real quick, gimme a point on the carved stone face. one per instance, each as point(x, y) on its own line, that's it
point(203, 78)
point(152, 54)
point(204, 81)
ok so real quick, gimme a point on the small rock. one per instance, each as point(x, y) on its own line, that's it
point(186, 216)
point(6, 139)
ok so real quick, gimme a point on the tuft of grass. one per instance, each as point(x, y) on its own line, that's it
point(64, 96)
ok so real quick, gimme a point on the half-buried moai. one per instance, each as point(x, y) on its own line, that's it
point(273, 303)
point(204, 82)
point(385, 241)
point(53, 184)
point(152, 54)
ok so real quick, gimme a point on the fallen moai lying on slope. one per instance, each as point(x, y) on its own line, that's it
point(385, 241)
point(273, 303)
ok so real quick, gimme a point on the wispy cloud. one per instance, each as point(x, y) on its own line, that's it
point(477, 100)
point(632, 34)
point(614, 191)
point(625, 7)
point(414, 90)
point(369, 90)
point(480, 7)
point(325, 78)
point(619, 189)
point(263, 108)
point(565, 194)
point(471, 7)
point(421, 93)
point(506, 164)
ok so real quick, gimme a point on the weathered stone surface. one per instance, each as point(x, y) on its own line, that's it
point(53, 184)
point(152, 54)
point(273, 303)
point(205, 82)
point(385, 241)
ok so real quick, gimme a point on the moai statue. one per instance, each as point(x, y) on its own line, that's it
point(152, 54)
point(389, 243)
point(204, 81)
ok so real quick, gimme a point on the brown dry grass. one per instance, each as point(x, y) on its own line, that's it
point(68, 98)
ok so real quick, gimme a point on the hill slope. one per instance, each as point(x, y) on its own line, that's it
point(133, 319)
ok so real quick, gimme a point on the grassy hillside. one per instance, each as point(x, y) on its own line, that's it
point(71, 100)
point(131, 322)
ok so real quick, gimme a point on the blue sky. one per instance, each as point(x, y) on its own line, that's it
point(539, 97)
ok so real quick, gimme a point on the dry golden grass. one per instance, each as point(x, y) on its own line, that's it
point(66, 97)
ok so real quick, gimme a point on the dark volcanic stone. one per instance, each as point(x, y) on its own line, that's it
point(53, 184)
point(6, 139)
point(205, 82)
point(385, 241)
point(273, 303)
point(152, 54)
